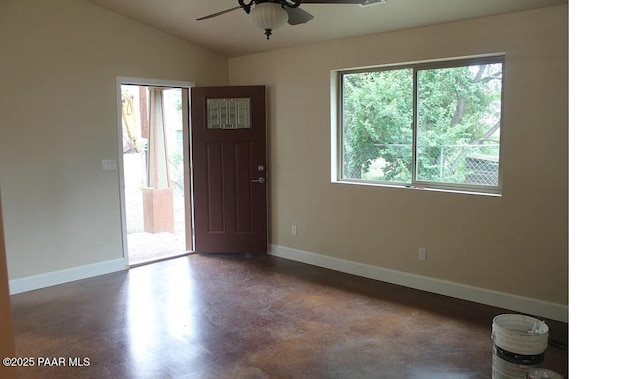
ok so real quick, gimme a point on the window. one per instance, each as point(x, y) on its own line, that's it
point(432, 125)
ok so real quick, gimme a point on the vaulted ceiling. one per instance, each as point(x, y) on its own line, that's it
point(232, 33)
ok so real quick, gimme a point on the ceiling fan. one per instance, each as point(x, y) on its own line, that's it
point(272, 14)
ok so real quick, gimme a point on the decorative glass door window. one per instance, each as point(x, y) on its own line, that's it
point(229, 113)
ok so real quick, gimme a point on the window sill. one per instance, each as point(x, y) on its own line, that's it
point(418, 188)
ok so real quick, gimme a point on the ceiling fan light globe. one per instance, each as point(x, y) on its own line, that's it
point(268, 16)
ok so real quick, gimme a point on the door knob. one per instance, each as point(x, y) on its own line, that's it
point(259, 180)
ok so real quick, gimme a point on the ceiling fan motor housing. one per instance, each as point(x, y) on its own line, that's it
point(284, 3)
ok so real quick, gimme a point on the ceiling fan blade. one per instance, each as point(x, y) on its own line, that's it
point(333, 2)
point(298, 16)
point(218, 14)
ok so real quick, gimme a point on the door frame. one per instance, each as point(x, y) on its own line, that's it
point(186, 112)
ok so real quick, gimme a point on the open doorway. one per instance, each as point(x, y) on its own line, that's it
point(154, 131)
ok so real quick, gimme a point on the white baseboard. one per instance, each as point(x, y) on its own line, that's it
point(35, 282)
point(484, 296)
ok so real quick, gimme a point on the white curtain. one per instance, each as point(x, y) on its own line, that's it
point(158, 167)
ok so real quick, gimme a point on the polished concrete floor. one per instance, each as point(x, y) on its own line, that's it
point(241, 316)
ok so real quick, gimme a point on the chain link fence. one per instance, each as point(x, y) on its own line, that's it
point(459, 164)
point(463, 164)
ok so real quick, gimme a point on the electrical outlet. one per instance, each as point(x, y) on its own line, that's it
point(294, 230)
point(422, 254)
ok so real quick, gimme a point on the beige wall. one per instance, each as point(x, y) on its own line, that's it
point(58, 66)
point(517, 243)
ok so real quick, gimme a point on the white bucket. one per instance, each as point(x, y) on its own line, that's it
point(519, 339)
point(501, 369)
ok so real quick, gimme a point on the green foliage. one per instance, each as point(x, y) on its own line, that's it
point(457, 115)
point(377, 114)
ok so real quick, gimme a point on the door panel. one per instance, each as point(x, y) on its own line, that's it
point(215, 181)
point(229, 146)
point(243, 211)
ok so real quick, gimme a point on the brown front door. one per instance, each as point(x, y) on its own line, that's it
point(229, 169)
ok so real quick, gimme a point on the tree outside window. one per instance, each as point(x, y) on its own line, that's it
point(456, 109)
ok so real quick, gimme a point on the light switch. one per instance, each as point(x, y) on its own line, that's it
point(108, 164)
